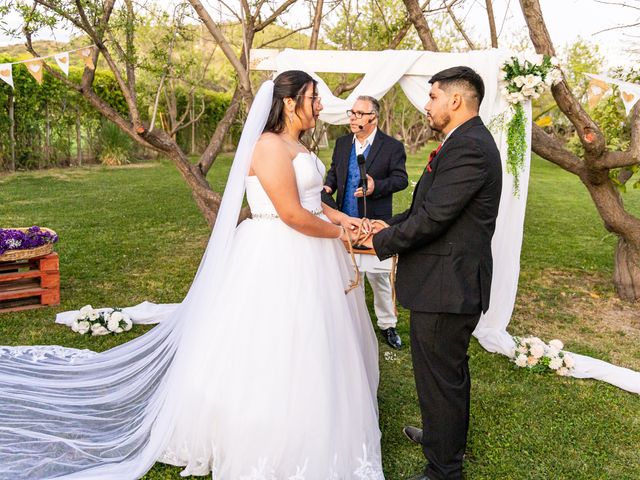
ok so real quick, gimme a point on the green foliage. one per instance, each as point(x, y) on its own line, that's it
point(516, 145)
point(116, 147)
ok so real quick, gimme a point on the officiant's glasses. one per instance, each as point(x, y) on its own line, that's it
point(358, 114)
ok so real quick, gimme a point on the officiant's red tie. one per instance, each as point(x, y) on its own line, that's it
point(432, 156)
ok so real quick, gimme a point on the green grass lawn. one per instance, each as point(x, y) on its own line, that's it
point(133, 233)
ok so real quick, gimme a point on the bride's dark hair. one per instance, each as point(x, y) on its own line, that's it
point(289, 84)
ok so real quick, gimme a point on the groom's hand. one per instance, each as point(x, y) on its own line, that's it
point(378, 225)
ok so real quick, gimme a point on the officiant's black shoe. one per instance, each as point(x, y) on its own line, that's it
point(392, 338)
point(413, 433)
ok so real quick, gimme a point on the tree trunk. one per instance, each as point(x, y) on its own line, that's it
point(47, 136)
point(420, 23)
point(12, 133)
point(626, 271)
point(78, 138)
point(492, 24)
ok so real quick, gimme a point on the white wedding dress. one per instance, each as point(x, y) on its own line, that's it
point(269, 372)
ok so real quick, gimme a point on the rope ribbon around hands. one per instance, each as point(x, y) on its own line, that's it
point(362, 234)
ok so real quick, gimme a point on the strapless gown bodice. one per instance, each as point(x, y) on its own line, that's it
point(309, 178)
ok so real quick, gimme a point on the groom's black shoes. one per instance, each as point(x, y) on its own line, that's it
point(392, 338)
point(413, 433)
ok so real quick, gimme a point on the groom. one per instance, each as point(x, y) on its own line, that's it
point(445, 263)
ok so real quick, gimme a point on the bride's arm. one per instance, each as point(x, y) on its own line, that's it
point(272, 165)
point(341, 218)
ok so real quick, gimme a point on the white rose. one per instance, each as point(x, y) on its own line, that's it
point(521, 360)
point(523, 349)
point(86, 310)
point(532, 361)
point(117, 316)
point(563, 372)
point(557, 344)
point(528, 92)
point(74, 325)
point(555, 363)
point(519, 81)
point(97, 329)
point(556, 76)
point(537, 350)
point(128, 324)
point(553, 352)
point(93, 316)
point(569, 361)
point(113, 324)
point(534, 58)
point(83, 327)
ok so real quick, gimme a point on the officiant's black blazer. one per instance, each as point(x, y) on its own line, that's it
point(386, 165)
point(444, 238)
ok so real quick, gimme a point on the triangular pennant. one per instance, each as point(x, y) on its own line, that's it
point(630, 94)
point(35, 69)
point(86, 54)
point(597, 89)
point(62, 59)
point(6, 73)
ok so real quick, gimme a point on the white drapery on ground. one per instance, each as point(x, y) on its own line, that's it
point(412, 70)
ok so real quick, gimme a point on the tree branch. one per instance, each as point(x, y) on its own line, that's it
point(276, 13)
point(552, 149)
point(224, 45)
point(459, 27)
point(420, 23)
point(589, 133)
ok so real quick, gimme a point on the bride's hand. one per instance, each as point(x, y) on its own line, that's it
point(350, 224)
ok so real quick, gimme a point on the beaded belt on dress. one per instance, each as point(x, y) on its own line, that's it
point(273, 216)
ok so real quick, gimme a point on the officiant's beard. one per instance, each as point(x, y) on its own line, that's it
point(439, 122)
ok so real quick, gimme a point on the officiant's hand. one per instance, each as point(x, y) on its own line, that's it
point(371, 185)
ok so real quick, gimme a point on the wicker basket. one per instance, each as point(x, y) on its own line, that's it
point(41, 251)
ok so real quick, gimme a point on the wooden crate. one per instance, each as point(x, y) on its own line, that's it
point(30, 283)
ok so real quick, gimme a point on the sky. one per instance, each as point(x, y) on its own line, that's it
point(566, 20)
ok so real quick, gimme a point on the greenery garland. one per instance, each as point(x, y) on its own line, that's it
point(524, 78)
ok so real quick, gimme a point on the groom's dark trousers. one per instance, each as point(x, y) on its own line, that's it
point(444, 278)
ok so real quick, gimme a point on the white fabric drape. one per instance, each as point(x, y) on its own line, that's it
point(389, 67)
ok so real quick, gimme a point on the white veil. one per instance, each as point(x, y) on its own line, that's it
point(73, 414)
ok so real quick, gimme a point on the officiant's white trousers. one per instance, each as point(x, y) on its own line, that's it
point(382, 299)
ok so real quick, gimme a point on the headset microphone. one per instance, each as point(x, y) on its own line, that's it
point(361, 127)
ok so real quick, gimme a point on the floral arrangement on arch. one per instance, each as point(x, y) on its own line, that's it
point(537, 356)
point(101, 322)
point(524, 77)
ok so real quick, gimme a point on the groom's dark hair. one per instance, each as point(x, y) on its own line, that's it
point(289, 84)
point(464, 77)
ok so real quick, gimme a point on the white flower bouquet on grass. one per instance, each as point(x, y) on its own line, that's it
point(537, 356)
point(101, 322)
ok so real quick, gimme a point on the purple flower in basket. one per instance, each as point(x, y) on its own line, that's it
point(12, 239)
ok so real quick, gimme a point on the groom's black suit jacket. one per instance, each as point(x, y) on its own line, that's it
point(385, 163)
point(444, 239)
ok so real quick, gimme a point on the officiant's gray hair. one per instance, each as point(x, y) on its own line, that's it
point(375, 104)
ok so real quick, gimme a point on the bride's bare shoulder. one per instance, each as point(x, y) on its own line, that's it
point(272, 144)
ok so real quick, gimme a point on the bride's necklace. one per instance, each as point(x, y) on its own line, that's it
point(291, 141)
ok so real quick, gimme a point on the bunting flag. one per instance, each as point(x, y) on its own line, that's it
point(629, 92)
point(597, 89)
point(62, 59)
point(35, 66)
point(86, 54)
point(6, 73)
point(35, 69)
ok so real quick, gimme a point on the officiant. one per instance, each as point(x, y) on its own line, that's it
point(368, 151)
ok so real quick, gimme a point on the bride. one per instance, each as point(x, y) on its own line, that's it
point(290, 392)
